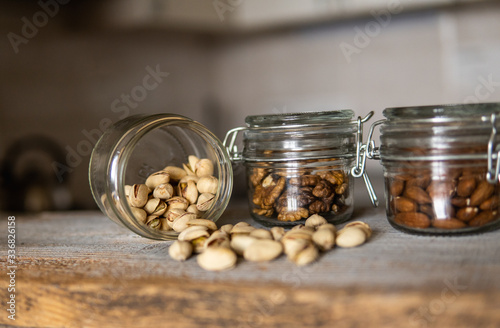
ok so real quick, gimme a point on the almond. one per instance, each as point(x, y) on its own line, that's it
point(467, 213)
point(403, 204)
point(460, 201)
point(413, 220)
point(483, 191)
point(396, 187)
point(491, 203)
point(418, 195)
point(466, 186)
point(441, 189)
point(426, 209)
point(422, 182)
point(448, 224)
point(483, 218)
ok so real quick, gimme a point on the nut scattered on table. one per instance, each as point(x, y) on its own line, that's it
point(302, 244)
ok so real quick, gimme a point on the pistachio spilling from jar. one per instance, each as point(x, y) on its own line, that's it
point(295, 195)
point(169, 199)
point(302, 244)
point(461, 199)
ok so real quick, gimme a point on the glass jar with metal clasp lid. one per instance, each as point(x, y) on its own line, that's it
point(301, 164)
point(441, 167)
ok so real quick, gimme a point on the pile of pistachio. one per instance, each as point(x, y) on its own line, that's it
point(173, 196)
point(219, 249)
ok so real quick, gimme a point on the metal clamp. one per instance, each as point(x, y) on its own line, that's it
point(493, 153)
point(373, 152)
point(359, 169)
point(232, 149)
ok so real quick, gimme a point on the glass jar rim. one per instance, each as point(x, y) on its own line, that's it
point(443, 113)
point(301, 118)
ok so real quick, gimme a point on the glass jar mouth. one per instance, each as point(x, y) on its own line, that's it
point(299, 119)
point(443, 113)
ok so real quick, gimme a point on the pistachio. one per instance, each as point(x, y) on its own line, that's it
point(153, 222)
point(138, 195)
point(298, 234)
point(218, 239)
point(127, 189)
point(242, 223)
point(328, 226)
point(180, 223)
point(226, 228)
point(208, 184)
point(187, 178)
point(190, 192)
point(187, 169)
point(173, 214)
point(217, 259)
point(210, 225)
point(205, 201)
point(305, 256)
point(180, 250)
point(315, 221)
point(193, 160)
point(192, 233)
point(263, 250)
point(157, 178)
point(240, 242)
point(242, 230)
point(324, 239)
point(350, 237)
point(193, 209)
point(139, 214)
point(152, 205)
point(199, 244)
point(292, 247)
point(163, 191)
point(175, 173)
point(278, 233)
point(261, 234)
point(204, 167)
point(164, 224)
point(301, 227)
point(361, 225)
point(178, 202)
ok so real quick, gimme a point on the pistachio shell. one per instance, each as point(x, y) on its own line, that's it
point(180, 250)
point(157, 178)
point(178, 202)
point(307, 255)
point(315, 221)
point(180, 223)
point(193, 160)
point(204, 167)
point(218, 239)
point(324, 239)
point(217, 259)
point(263, 250)
point(139, 214)
point(278, 233)
point(210, 225)
point(176, 173)
point(191, 233)
point(208, 184)
point(163, 191)
point(350, 237)
point(241, 242)
point(261, 234)
point(226, 228)
point(205, 201)
point(138, 195)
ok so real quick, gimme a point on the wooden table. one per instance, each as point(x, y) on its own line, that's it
point(79, 269)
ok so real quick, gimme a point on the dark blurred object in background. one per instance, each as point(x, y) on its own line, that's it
point(27, 180)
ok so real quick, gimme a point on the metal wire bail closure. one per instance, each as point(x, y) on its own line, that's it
point(232, 149)
point(493, 153)
point(361, 154)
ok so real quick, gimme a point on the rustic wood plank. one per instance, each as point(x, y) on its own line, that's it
point(81, 270)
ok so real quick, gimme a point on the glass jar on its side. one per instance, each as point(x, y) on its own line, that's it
point(300, 164)
point(438, 171)
point(134, 148)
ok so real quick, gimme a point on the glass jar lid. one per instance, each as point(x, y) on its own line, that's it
point(300, 136)
point(440, 132)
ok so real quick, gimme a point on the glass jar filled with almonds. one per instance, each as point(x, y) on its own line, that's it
point(441, 168)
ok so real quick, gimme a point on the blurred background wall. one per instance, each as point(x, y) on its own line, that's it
point(67, 68)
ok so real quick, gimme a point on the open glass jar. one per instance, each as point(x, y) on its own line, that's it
point(300, 164)
point(440, 167)
point(134, 148)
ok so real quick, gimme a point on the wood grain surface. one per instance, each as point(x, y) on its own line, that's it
point(79, 269)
